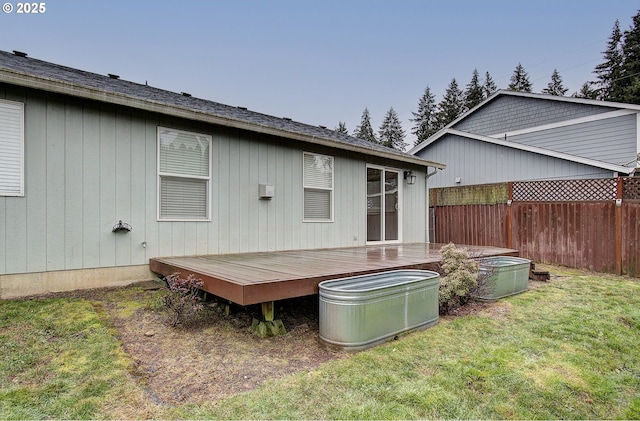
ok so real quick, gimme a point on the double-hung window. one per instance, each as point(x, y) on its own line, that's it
point(11, 148)
point(318, 187)
point(184, 174)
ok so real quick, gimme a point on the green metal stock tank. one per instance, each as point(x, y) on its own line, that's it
point(359, 312)
point(501, 276)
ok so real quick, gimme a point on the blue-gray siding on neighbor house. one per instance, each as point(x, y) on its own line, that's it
point(508, 113)
point(477, 162)
point(88, 165)
point(610, 140)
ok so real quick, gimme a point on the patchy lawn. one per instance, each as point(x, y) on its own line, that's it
point(565, 349)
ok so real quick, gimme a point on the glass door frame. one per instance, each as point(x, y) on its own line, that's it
point(399, 173)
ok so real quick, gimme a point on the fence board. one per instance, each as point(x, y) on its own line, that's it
point(576, 233)
point(471, 224)
point(568, 233)
point(631, 238)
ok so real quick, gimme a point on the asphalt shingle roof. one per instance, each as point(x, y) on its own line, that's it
point(54, 72)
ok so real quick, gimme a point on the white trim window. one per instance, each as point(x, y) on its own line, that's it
point(11, 148)
point(184, 174)
point(318, 187)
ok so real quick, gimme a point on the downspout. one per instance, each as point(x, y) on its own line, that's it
point(426, 205)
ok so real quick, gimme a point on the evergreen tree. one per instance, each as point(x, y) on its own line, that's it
point(520, 80)
point(425, 119)
point(586, 91)
point(608, 74)
point(391, 133)
point(489, 86)
point(364, 130)
point(555, 87)
point(474, 94)
point(451, 106)
point(342, 128)
point(630, 77)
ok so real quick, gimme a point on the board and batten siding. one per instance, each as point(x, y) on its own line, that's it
point(89, 165)
point(477, 162)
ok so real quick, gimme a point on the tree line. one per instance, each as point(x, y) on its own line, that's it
point(617, 79)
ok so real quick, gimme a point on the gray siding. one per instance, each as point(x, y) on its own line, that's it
point(89, 165)
point(509, 113)
point(477, 162)
point(610, 140)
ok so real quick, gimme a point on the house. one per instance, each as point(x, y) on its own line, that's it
point(98, 175)
point(517, 136)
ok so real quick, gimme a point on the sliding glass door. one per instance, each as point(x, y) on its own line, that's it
point(384, 222)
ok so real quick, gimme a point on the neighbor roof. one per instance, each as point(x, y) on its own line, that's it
point(18, 69)
point(446, 129)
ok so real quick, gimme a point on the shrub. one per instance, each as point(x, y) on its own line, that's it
point(183, 299)
point(458, 278)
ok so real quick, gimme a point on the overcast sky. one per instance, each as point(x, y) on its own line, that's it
point(320, 62)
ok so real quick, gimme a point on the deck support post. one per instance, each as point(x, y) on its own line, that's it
point(268, 311)
point(269, 325)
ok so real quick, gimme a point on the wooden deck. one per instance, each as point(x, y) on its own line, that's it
point(253, 278)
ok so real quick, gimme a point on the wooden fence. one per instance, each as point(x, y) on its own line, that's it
point(592, 224)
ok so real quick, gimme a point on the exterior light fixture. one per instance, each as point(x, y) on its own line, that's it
point(410, 177)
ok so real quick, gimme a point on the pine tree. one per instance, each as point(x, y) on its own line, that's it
point(608, 74)
point(586, 91)
point(555, 87)
point(391, 133)
point(474, 94)
point(489, 86)
point(451, 106)
point(364, 130)
point(342, 128)
point(520, 80)
point(630, 77)
point(425, 119)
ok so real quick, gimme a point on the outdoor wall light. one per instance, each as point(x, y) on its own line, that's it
point(121, 226)
point(410, 177)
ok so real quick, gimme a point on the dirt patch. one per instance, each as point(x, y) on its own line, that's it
point(220, 356)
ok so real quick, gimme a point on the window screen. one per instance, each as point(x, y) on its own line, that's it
point(318, 187)
point(11, 148)
point(184, 173)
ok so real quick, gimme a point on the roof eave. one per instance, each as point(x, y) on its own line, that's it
point(66, 88)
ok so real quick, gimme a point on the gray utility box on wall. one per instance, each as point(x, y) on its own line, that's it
point(362, 311)
point(266, 191)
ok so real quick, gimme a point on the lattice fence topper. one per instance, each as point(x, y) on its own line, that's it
point(631, 188)
point(565, 190)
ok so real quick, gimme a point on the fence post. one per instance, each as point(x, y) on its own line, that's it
point(510, 215)
point(619, 189)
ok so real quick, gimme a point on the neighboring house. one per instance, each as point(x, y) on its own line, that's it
point(516, 136)
point(82, 152)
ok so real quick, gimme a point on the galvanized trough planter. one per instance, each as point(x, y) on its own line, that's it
point(362, 311)
point(503, 276)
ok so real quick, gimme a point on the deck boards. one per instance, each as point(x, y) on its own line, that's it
point(252, 278)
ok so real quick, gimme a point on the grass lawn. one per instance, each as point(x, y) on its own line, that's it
point(567, 350)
